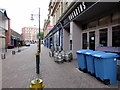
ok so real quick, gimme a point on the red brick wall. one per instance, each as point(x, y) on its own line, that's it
point(27, 35)
point(8, 35)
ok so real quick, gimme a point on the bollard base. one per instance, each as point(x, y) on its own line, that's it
point(19, 50)
point(3, 56)
point(13, 52)
point(37, 84)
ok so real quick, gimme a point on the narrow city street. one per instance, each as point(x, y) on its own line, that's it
point(83, 37)
point(18, 70)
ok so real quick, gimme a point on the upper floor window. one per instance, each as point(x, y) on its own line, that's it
point(116, 16)
point(66, 4)
point(92, 24)
point(104, 20)
point(84, 26)
point(61, 7)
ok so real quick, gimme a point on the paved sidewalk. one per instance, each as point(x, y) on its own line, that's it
point(18, 70)
point(66, 75)
point(9, 51)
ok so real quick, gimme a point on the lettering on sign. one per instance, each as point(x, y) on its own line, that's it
point(77, 11)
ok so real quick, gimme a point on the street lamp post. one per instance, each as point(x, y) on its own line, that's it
point(38, 84)
point(39, 45)
point(39, 34)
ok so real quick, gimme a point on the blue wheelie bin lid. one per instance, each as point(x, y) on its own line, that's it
point(88, 52)
point(83, 51)
point(106, 55)
point(93, 52)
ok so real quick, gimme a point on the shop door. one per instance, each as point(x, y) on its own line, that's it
point(92, 40)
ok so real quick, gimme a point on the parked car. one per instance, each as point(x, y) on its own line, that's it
point(27, 43)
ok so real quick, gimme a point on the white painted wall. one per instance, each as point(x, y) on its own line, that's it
point(109, 39)
point(2, 43)
point(3, 21)
point(76, 36)
point(3, 27)
point(66, 39)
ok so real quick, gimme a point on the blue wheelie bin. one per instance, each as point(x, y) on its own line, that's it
point(90, 61)
point(82, 59)
point(106, 67)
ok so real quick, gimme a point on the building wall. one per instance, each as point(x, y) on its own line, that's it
point(3, 29)
point(8, 35)
point(2, 40)
point(99, 27)
point(59, 9)
point(75, 32)
point(30, 33)
point(66, 39)
point(3, 21)
point(56, 10)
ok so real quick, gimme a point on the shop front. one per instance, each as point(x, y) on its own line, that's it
point(55, 37)
point(94, 25)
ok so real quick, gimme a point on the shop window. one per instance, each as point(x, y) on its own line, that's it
point(92, 40)
point(116, 36)
point(104, 20)
point(116, 16)
point(92, 24)
point(84, 26)
point(84, 41)
point(103, 37)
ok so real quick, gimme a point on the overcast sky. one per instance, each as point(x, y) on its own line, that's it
point(19, 11)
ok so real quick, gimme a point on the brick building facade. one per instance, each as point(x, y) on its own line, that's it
point(30, 34)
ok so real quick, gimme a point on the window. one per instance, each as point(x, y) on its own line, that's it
point(116, 36)
point(92, 40)
point(116, 16)
point(104, 20)
point(92, 24)
point(66, 5)
point(84, 41)
point(84, 26)
point(103, 37)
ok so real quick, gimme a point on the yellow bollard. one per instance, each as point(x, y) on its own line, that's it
point(37, 54)
point(38, 51)
point(37, 84)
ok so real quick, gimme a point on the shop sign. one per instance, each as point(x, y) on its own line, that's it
point(77, 11)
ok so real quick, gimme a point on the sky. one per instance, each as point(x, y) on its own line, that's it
point(19, 11)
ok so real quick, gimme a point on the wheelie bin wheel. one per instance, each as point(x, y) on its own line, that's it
point(106, 81)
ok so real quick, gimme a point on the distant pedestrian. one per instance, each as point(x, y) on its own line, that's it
point(19, 44)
